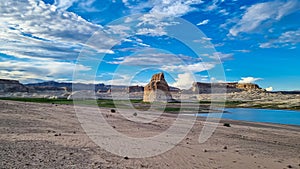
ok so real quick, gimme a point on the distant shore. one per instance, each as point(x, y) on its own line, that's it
point(171, 107)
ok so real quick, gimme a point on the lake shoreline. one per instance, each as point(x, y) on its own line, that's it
point(40, 135)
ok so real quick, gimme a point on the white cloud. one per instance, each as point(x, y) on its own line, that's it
point(256, 15)
point(269, 89)
point(35, 29)
point(120, 80)
point(223, 12)
point(184, 81)
point(28, 71)
point(242, 51)
point(248, 80)
point(64, 4)
point(196, 67)
point(87, 5)
point(157, 31)
point(150, 57)
point(219, 56)
point(161, 12)
point(212, 6)
point(204, 22)
point(285, 39)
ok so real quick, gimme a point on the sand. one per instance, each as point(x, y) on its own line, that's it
point(35, 135)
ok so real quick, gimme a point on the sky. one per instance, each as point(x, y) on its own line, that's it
point(126, 41)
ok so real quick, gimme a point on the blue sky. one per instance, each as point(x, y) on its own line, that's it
point(126, 41)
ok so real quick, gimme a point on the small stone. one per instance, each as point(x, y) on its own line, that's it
point(225, 148)
point(226, 125)
point(126, 158)
point(289, 166)
point(112, 110)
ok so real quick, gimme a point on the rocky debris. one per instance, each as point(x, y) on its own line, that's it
point(12, 86)
point(157, 89)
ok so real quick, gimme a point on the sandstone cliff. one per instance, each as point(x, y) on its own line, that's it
point(223, 87)
point(157, 89)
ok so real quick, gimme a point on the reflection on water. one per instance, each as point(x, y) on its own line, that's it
point(259, 115)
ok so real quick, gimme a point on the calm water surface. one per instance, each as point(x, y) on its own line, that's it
point(259, 115)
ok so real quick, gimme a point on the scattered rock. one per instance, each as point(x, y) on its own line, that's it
point(134, 114)
point(226, 125)
point(144, 166)
point(57, 134)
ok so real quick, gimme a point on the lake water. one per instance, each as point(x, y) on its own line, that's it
point(259, 115)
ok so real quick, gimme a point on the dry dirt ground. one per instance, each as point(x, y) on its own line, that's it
point(34, 135)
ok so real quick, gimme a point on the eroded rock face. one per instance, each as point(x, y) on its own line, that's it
point(132, 89)
point(223, 87)
point(247, 86)
point(157, 90)
point(12, 86)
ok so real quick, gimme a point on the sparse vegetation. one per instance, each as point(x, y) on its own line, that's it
point(140, 105)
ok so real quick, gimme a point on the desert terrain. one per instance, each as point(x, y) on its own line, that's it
point(43, 135)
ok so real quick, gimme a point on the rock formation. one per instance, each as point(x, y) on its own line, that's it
point(157, 89)
point(137, 88)
point(223, 87)
point(12, 86)
point(247, 86)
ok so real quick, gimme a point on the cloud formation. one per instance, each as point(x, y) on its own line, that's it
point(289, 38)
point(269, 89)
point(258, 14)
point(204, 22)
point(37, 70)
point(248, 80)
point(184, 81)
point(34, 29)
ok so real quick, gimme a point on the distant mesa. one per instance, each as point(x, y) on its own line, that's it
point(157, 90)
point(132, 89)
point(200, 87)
point(12, 86)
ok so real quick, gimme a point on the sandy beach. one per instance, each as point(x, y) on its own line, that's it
point(36, 135)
